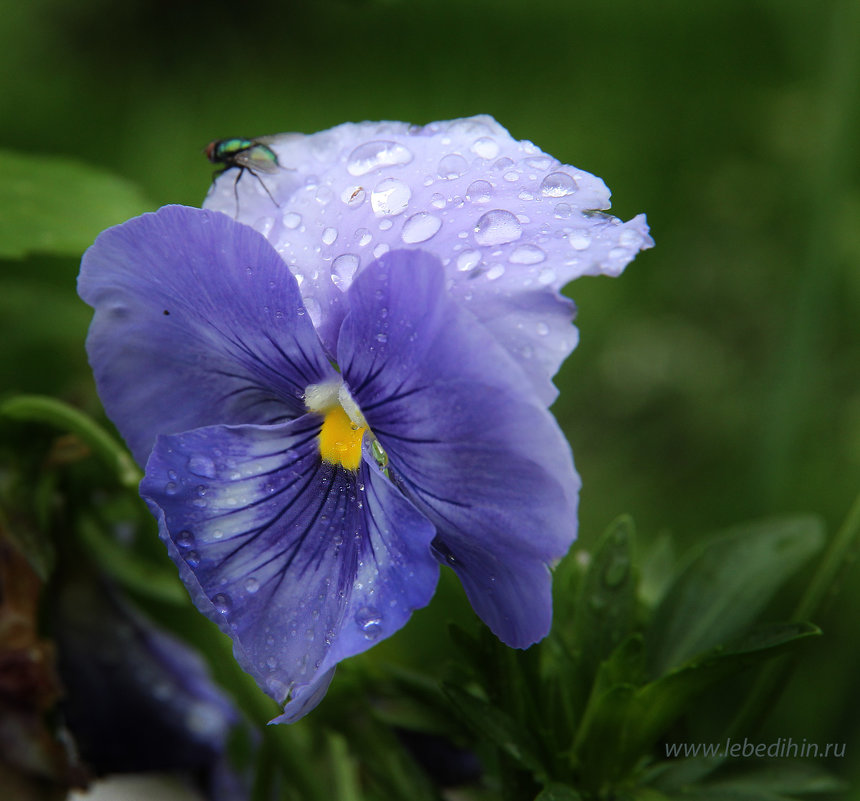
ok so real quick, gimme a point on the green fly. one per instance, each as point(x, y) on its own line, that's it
point(253, 155)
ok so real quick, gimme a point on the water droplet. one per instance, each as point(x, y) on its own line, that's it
point(496, 271)
point(380, 250)
point(252, 585)
point(223, 603)
point(369, 621)
point(468, 259)
point(420, 227)
point(363, 237)
point(324, 195)
point(172, 475)
point(353, 195)
point(579, 240)
point(271, 662)
point(343, 269)
point(390, 197)
point(558, 184)
point(292, 220)
point(511, 177)
point(497, 227)
point(527, 254)
point(373, 155)
point(192, 559)
point(452, 166)
point(201, 466)
point(264, 225)
point(380, 338)
point(485, 147)
point(437, 201)
point(479, 192)
point(546, 277)
point(171, 488)
point(329, 235)
point(563, 211)
point(542, 329)
point(185, 539)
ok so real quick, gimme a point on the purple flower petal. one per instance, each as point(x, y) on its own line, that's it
point(301, 562)
point(467, 440)
point(197, 322)
point(510, 224)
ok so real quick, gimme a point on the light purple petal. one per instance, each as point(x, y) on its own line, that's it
point(302, 563)
point(467, 440)
point(510, 223)
point(197, 322)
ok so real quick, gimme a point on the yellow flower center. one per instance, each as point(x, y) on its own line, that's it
point(340, 439)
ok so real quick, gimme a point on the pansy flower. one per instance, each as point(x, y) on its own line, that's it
point(347, 384)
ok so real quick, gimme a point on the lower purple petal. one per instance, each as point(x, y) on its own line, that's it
point(301, 562)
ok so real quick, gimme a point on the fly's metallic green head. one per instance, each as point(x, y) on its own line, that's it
point(253, 155)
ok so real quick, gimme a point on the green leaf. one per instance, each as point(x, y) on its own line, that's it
point(607, 600)
point(661, 702)
point(557, 792)
point(494, 725)
point(56, 205)
point(39, 408)
point(139, 575)
point(724, 585)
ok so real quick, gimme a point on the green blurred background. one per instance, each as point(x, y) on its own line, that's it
point(715, 382)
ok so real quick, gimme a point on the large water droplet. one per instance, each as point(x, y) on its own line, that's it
point(343, 269)
point(292, 220)
point(373, 155)
point(369, 620)
point(479, 192)
point(579, 240)
point(420, 227)
point(527, 254)
point(223, 603)
point(452, 166)
point(390, 197)
point(497, 227)
point(485, 147)
point(185, 539)
point(558, 184)
point(202, 466)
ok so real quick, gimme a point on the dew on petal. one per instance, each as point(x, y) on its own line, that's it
point(185, 539)
point(363, 237)
point(381, 249)
point(579, 240)
point(527, 254)
point(468, 259)
point(496, 271)
point(390, 197)
point(497, 227)
point(369, 620)
point(292, 220)
point(452, 166)
point(546, 277)
point(420, 227)
point(202, 466)
point(329, 235)
point(479, 192)
point(374, 155)
point(558, 184)
point(223, 603)
point(542, 329)
point(343, 269)
point(252, 585)
point(485, 147)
